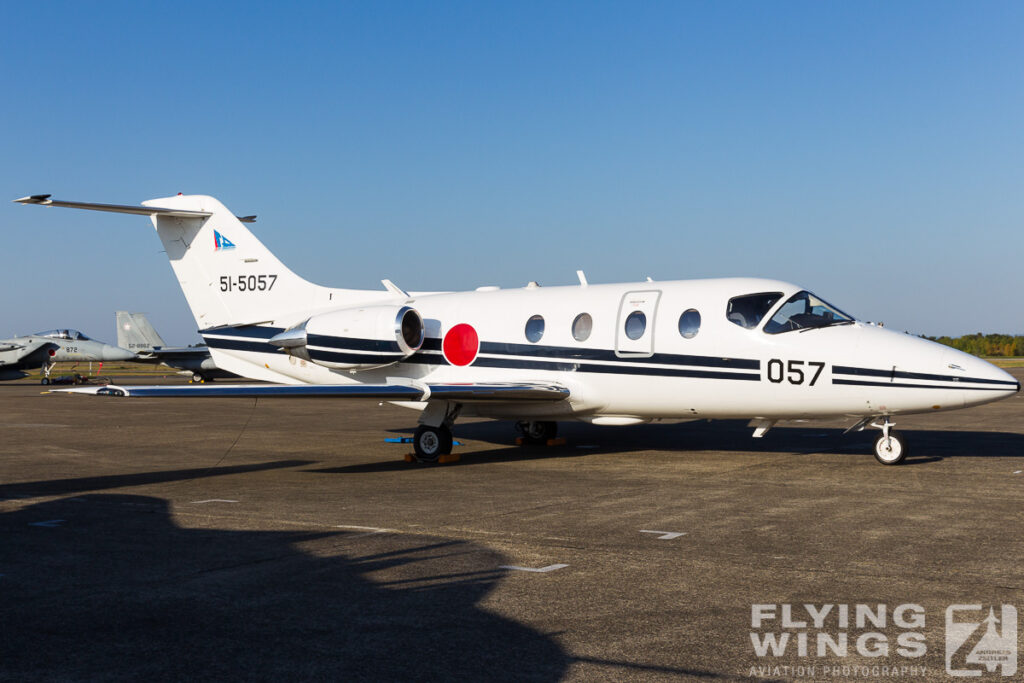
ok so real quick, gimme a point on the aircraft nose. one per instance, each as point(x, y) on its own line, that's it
point(111, 353)
point(988, 382)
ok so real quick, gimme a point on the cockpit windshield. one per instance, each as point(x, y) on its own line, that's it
point(804, 311)
point(748, 310)
point(73, 335)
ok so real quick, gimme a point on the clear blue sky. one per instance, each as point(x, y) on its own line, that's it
point(871, 152)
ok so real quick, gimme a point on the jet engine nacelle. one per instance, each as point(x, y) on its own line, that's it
point(355, 338)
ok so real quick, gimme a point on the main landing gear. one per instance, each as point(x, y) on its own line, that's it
point(45, 380)
point(433, 438)
point(430, 443)
point(537, 432)
point(890, 446)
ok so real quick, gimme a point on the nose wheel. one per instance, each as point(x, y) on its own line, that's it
point(890, 446)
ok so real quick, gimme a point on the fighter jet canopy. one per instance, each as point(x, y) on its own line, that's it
point(73, 335)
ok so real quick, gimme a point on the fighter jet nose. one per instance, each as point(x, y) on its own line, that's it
point(111, 353)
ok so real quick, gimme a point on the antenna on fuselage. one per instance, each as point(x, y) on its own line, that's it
point(583, 278)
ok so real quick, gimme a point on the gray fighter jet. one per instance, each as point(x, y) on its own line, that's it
point(43, 349)
point(136, 333)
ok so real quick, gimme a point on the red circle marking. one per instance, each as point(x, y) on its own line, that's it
point(53, 352)
point(461, 345)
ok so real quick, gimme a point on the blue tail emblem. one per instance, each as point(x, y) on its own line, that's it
point(221, 242)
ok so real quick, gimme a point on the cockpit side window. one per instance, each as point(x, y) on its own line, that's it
point(748, 310)
point(804, 311)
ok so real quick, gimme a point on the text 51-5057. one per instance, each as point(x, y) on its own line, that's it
point(247, 283)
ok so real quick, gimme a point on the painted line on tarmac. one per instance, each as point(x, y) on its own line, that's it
point(537, 570)
point(665, 535)
point(213, 500)
point(369, 530)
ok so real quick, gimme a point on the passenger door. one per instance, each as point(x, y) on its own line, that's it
point(634, 328)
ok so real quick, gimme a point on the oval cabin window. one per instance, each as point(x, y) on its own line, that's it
point(689, 324)
point(636, 324)
point(582, 326)
point(534, 329)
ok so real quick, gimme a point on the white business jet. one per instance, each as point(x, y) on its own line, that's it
point(614, 354)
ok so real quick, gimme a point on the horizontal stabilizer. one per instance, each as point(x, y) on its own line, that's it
point(467, 393)
point(44, 200)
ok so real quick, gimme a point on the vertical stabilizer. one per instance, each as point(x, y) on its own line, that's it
point(136, 333)
point(230, 278)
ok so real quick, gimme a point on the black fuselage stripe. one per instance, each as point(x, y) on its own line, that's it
point(564, 354)
point(240, 345)
point(353, 358)
point(352, 343)
point(585, 354)
point(863, 383)
point(561, 364)
point(508, 363)
point(901, 374)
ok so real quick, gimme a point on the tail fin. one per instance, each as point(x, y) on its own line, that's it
point(229, 277)
point(136, 333)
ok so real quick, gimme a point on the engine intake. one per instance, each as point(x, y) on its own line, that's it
point(355, 338)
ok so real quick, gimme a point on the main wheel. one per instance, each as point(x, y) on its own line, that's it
point(44, 381)
point(538, 431)
point(430, 443)
point(892, 450)
point(197, 378)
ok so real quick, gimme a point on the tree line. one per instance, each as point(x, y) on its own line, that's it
point(979, 344)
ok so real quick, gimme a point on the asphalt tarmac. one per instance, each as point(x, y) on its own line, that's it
point(285, 539)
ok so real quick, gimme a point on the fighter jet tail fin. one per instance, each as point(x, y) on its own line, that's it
point(136, 333)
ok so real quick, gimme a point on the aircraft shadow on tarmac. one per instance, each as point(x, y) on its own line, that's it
point(108, 586)
point(60, 487)
point(725, 435)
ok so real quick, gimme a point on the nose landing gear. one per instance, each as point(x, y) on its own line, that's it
point(890, 446)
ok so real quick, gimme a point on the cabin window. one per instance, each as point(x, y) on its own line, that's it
point(636, 323)
point(748, 310)
point(689, 324)
point(804, 311)
point(535, 329)
point(582, 326)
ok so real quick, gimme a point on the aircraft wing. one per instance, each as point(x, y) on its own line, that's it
point(5, 346)
point(498, 392)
